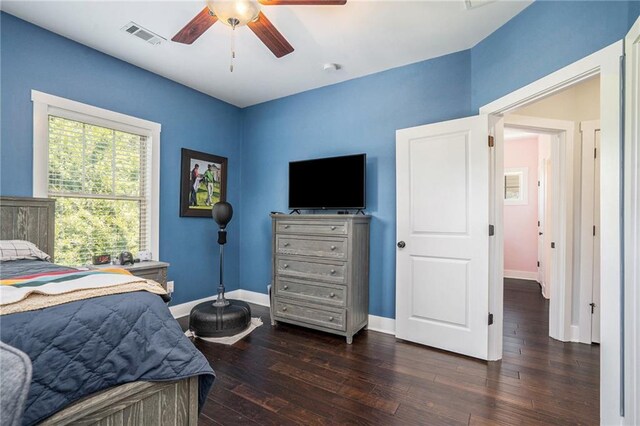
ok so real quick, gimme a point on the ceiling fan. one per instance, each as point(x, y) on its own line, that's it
point(235, 13)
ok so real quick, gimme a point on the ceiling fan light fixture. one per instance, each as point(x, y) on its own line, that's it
point(235, 13)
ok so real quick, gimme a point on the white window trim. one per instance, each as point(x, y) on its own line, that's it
point(45, 104)
point(524, 186)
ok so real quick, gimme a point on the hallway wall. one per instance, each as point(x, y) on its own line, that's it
point(521, 221)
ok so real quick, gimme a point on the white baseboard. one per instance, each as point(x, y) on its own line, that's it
point(184, 309)
point(382, 324)
point(521, 275)
point(575, 333)
point(376, 323)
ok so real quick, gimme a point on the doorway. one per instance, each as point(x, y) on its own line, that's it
point(551, 221)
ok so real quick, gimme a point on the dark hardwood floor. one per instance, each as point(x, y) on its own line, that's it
point(290, 375)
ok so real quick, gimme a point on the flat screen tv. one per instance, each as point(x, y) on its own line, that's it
point(328, 183)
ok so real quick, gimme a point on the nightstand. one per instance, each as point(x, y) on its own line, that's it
point(150, 270)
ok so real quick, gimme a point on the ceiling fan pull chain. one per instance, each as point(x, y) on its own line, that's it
point(233, 47)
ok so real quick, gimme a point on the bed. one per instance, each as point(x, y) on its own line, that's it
point(117, 359)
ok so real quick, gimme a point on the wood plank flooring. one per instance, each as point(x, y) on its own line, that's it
point(289, 375)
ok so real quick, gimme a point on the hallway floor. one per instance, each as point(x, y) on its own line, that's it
point(288, 375)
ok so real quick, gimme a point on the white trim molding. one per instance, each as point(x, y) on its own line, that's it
point(376, 323)
point(45, 104)
point(632, 226)
point(521, 275)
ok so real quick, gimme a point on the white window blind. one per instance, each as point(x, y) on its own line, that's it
point(100, 177)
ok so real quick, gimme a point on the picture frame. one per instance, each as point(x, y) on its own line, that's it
point(203, 182)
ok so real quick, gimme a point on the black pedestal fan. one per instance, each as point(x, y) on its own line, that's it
point(223, 317)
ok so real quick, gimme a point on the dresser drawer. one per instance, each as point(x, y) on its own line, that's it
point(330, 318)
point(328, 294)
point(309, 246)
point(312, 268)
point(309, 227)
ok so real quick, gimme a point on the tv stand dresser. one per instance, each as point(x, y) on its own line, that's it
point(321, 272)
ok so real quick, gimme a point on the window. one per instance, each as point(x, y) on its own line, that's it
point(101, 173)
point(515, 186)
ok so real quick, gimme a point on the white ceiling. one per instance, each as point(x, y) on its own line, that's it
point(364, 37)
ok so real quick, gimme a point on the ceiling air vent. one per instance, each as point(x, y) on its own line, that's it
point(143, 33)
point(472, 4)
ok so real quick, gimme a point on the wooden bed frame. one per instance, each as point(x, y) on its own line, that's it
point(137, 403)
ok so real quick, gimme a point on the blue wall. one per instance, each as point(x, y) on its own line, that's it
point(634, 11)
point(33, 58)
point(356, 116)
point(543, 38)
point(360, 115)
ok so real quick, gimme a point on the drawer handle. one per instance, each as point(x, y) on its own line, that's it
point(285, 266)
point(333, 271)
point(330, 318)
point(332, 295)
point(285, 287)
point(333, 247)
point(286, 244)
point(286, 227)
point(333, 228)
point(284, 308)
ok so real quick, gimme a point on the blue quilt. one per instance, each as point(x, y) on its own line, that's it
point(83, 347)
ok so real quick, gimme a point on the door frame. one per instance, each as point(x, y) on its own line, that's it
point(561, 232)
point(605, 62)
point(632, 219)
point(587, 219)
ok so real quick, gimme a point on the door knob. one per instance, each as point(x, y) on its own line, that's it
point(401, 244)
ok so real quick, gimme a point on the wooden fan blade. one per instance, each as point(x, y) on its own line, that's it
point(303, 2)
point(196, 27)
point(271, 37)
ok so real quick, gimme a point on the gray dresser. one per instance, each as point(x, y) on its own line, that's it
point(321, 272)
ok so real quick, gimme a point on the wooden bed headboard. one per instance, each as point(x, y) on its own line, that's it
point(29, 219)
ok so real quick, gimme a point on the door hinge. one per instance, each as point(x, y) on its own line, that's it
point(538, 223)
point(594, 230)
point(538, 263)
point(491, 230)
point(490, 319)
point(553, 245)
point(593, 305)
point(538, 183)
point(595, 152)
point(491, 141)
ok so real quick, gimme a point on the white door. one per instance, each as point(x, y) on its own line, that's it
point(542, 185)
point(590, 233)
point(595, 292)
point(442, 261)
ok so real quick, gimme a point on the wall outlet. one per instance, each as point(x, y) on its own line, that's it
point(170, 286)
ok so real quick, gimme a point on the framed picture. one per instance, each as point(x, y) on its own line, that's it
point(203, 182)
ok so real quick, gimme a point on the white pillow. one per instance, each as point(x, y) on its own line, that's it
point(18, 249)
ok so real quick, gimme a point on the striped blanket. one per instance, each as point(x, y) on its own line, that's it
point(41, 290)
